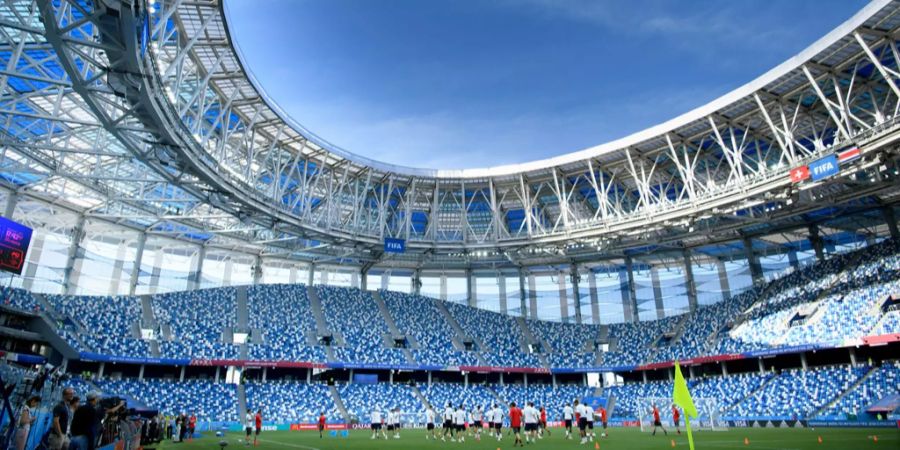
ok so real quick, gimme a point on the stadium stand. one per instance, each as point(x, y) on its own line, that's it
point(501, 335)
point(883, 381)
point(290, 401)
point(284, 315)
point(198, 320)
point(571, 345)
point(210, 401)
point(359, 399)
point(411, 313)
point(354, 314)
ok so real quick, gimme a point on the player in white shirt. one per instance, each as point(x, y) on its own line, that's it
point(389, 421)
point(568, 413)
point(396, 423)
point(376, 423)
point(498, 422)
point(582, 421)
point(448, 422)
point(531, 416)
point(459, 422)
point(589, 415)
point(429, 423)
point(477, 416)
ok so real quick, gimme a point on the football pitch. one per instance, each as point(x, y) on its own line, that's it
point(620, 438)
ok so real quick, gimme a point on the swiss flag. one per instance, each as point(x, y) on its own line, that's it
point(799, 174)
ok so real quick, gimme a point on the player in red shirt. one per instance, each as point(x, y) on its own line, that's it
point(192, 425)
point(515, 422)
point(258, 427)
point(321, 424)
point(676, 417)
point(603, 420)
point(657, 422)
point(543, 423)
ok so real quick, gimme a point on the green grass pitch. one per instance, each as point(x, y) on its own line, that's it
point(625, 439)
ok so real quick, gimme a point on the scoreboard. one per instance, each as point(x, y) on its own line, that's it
point(14, 241)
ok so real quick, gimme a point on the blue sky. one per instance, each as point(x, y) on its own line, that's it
point(459, 84)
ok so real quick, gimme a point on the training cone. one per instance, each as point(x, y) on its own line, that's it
point(875, 438)
point(596, 446)
point(820, 439)
point(746, 441)
point(673, 443)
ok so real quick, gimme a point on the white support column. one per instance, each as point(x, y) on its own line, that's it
point(471, 290)
point(350, 380)
point(292, 275)
point(11, 201)
point(265, 374)
point(34, 258)
point(689, 279)
point(116, 278)
point(308, 376)
point(852, 356)
point(753, 260)
point(354, 280)
point(466, 380)
point(522, 293)
point(501, 284)
point(563, 296)
point(364, 278)
point(657, 293)
point(181, 376)
point(644, 375)
point(532, 297)
point(390, 377)
point(443, 286)
point(691, 371)
point(501, 379)
point(526, 379)
point(724, 368)
point(576, 279)
point(669, 373)
point(595, 298)
point(229, 269)
point(803, 362)
point(136, 267)
point(553, 380)
point(386, 279)
point(141, 373)
point(311, 276)
point(101, 370)
point(429, 378)
point(257, 269)
point(891, 220)
point(76, 252)
point(762, 367)
point(723, 279)
point(816, 240)
point(157, 268)
point(417, 282)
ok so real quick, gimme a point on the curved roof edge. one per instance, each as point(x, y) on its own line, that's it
point(749, 88)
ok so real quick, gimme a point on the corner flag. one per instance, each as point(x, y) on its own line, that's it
point(681, 396)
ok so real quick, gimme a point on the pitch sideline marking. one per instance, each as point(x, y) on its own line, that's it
point(287, 444)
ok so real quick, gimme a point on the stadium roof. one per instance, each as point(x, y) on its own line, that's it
point(144, 116)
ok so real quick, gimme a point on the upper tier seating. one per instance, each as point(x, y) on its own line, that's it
point(354, 314)
point(420, 318)
point(501, 335)
point(571, 344)
point(198, 320)
point(284, 315)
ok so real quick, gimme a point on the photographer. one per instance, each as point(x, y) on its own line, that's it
point(59, 430)
point(85, 428)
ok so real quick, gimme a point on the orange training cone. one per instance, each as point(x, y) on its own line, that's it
point(875, 438)
point(820, 439)
point(673, 443)
point(596, 446)
point(746, 441)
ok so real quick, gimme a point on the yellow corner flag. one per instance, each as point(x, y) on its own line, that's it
point(681, 396)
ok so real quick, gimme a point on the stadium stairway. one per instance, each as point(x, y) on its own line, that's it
point(241, 402)
point(751, 394)
point(460, 334)
point(46, 327)
point(242, 312)
point(610, 405)
point(418, 394)
point(315, 303)
point(530, 339)
point(336, 396)
point(154, 348)
point(872, 370)
point(500, 400)
point(148, 319)
point(392, 326)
